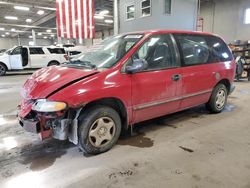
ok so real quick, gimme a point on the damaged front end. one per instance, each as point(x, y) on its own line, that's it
point(50, 119)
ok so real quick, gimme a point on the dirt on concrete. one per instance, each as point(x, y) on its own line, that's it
point(188, 149)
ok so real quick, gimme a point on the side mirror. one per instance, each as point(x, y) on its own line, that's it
point(137, 66)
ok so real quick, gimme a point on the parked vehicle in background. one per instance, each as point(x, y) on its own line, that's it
point(127, 79)
point(76, 51)
point(3, 50)
point(24, 57)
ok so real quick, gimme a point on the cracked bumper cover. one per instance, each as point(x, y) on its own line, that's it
point(29, 126)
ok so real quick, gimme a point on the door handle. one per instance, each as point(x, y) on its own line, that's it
point(176, 77)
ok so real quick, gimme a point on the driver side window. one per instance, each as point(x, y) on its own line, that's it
point(158, 51)
point(17, 51)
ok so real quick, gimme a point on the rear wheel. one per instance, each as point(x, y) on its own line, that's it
point(99, 130)
point(53, 63)
point(3, 69)
point(218, 99)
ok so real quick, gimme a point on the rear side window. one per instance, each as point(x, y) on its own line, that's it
point(74, 53)
point(194, 49)
point(219, 50)
point(34, 51)
point(56, 50)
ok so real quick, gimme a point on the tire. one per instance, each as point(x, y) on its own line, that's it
point(3, 69)
point(53, 63)
point(218, 99)
point(99, 130)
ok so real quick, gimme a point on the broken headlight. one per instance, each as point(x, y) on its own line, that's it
point(42, 105)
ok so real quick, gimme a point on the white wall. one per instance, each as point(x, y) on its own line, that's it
point(226, 18)
point(6, 43)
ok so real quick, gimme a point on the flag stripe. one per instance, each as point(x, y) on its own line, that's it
point(70, 21)
point(82, 17)
point(64, 19)
point(79, 19)
point(87, 13)
point(58, 20)
point(93, 20)
point(90, 19)
point(61, 18)
point(73, 19)
point(76, 18)
point(67, 17)
point(85, 19)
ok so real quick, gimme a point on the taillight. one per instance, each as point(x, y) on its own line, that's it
point(66, 57)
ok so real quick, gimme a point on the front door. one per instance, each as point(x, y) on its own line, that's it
point(16, 58)
point(156, 90)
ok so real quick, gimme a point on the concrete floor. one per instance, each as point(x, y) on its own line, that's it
point(188, 149)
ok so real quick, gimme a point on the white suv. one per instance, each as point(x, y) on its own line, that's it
point(25, 57)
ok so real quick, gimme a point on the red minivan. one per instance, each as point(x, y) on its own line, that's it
point(128, 78)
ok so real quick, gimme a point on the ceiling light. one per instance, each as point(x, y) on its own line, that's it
point(45, 37)
point(40, 12)
point(30, 37)
point(2, 29)
point(7, 33)
point(11, 18)
point(28, 20)
point(3, 35)
point(21, 8)
point(48, 30)
point(13, 29)
point(99, 17)
point(52, 35)
point(39, 34)
point(108, 21)
point(104, 12)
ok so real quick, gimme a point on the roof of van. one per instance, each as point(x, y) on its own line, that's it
point(171, 31)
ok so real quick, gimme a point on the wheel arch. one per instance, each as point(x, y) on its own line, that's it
point(226, 82)
point(114, 103)
point(2, 63)
point(53, 61)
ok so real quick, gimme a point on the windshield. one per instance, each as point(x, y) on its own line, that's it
point(107, 53)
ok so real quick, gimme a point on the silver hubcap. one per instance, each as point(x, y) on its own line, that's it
point(101, 132)
point(220, 99)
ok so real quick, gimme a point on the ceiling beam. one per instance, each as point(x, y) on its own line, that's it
point(27, 26)
point(39, 22)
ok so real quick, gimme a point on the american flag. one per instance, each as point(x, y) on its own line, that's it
point(75, 19)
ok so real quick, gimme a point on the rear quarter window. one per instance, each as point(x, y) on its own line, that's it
point(218, 49)
point(194, 49)
point(56, 50)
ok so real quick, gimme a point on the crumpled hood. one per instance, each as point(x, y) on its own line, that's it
point(50, 79)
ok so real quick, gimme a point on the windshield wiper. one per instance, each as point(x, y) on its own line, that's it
point(83, 63)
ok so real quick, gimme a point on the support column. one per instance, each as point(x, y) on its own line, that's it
point(116, 18)
point(34, 37)
point(18, 39)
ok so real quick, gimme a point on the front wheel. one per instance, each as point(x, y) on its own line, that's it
point(218, 99)
point(99, 129)
point(3, 69)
